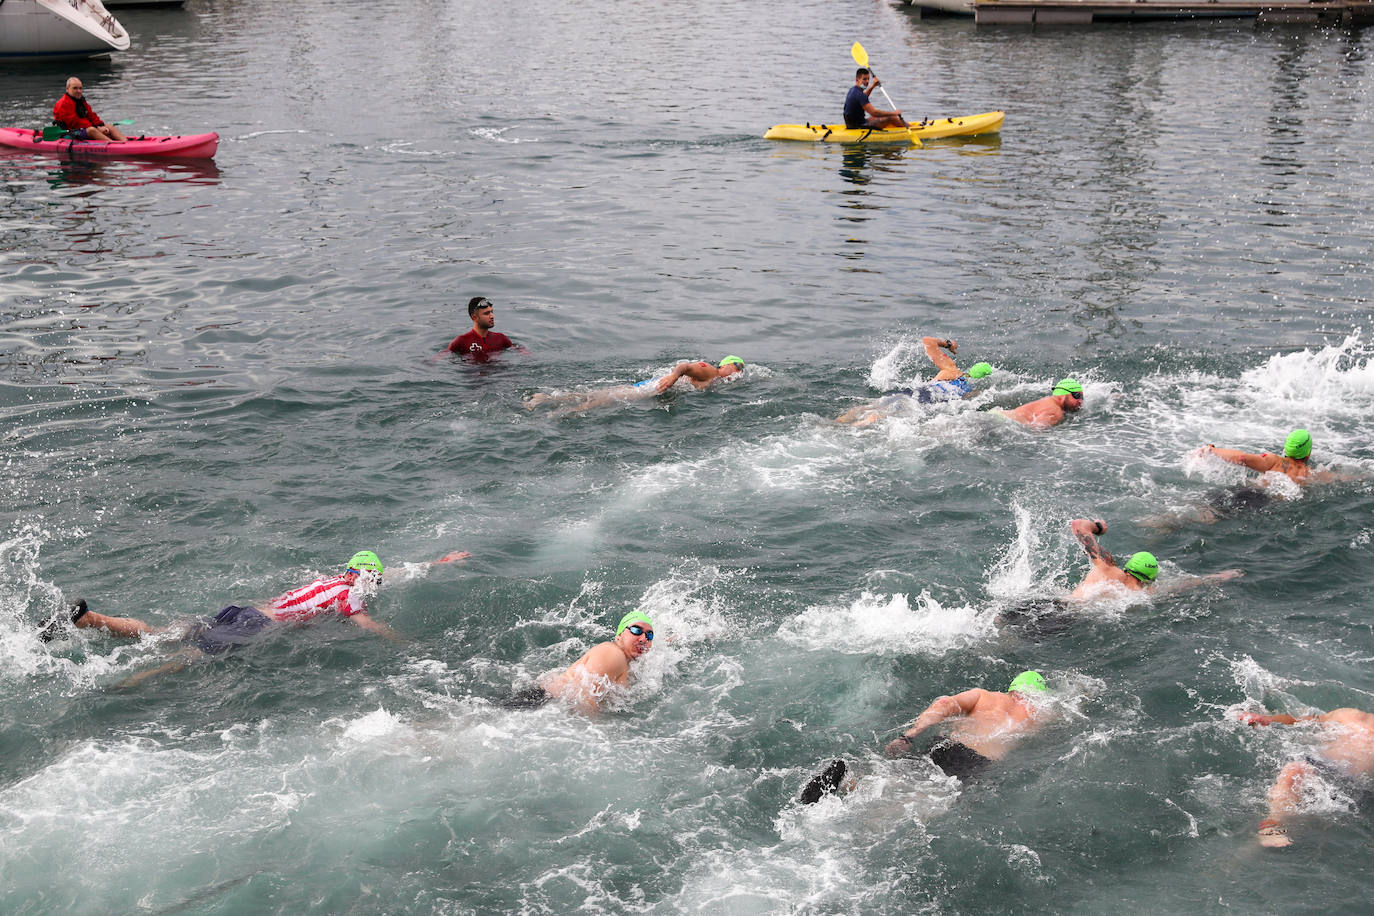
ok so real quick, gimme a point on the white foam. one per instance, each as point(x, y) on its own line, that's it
point(877, 624)
point(377, 724)
point(495, 134)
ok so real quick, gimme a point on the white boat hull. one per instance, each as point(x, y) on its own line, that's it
point(950, 7)
point(49, 29)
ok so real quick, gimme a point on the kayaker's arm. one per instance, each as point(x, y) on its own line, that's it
point(875, 112)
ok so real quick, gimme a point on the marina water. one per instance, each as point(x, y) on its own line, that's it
point(221, 381)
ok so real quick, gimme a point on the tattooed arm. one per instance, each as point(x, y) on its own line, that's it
point(1087, 533)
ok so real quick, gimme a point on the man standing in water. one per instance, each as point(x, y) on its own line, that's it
point(1065, 397)
point(950, 384)
point(859, 111)
point(989, 725)
point(1136, 574)
point(701, 375)
point(1345, 758)
point(586, 681)
point(481, 341)
point(80, 120)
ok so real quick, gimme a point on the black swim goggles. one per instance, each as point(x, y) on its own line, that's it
point(637, 630)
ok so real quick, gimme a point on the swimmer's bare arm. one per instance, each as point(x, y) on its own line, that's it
point(943, 708)
point(671, 378)
point(1261, 463)
point(1087, 531)
point(1187, 582)
point(1257, 719)
point(701, 374)
point(942, 362)
point(375, 626)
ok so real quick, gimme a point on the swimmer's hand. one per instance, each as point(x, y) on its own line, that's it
point(453, 556)
point(898, 747)
point(1226, 574)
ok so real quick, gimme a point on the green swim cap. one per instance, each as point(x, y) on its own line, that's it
point(633, 617)
point(1029, 680)
point(1068, 386)
point(1298, 444)
point(366, 560)
point(1143, 566)
point(979, 370)
point(732, 359)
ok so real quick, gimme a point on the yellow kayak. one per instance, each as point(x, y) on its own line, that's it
point(989, 122)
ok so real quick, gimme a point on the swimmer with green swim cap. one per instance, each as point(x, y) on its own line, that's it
point(1230, 501)
point(1297, 449)
point(1064, 398)
point(950, 384)
point(1136, 574)
point(586, 681)
point(987, 725)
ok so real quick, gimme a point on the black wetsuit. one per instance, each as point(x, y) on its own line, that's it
point(1228, 503)
point(958, 760)
point(531, 697)
point(1038, 618)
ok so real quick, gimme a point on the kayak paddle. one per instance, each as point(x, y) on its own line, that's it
point(56, 132)
point(861, 58)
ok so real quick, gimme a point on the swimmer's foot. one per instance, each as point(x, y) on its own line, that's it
point(1272, 834)
point(53, 626)
point(827, 783)
point(535, 400)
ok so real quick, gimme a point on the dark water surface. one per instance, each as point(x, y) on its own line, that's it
point(217, 383)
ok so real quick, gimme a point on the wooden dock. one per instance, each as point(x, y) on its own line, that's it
point(1347, 13)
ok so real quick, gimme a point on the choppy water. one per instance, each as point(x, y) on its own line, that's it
point(218, 382)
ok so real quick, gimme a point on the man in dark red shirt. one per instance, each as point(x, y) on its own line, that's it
point(72, 112)
point(481, 341)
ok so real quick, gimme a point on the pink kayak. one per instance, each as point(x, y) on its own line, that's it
point(196, 146)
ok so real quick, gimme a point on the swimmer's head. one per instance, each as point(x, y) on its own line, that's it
point(1298, 444)
point(1069, 388)
point(732, 361)
point(1029, 681)
point(979, 370)
point(477, 302)
point(633, 617)
point(1143, 566)
point(366, 561)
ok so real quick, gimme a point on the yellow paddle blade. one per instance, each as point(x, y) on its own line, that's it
point(859, 54)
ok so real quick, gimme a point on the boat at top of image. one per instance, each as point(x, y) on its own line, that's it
point(191, 146)
point(989, 122)
point(159, 3)
point(54, 29)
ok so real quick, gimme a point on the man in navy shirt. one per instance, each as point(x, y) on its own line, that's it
point(860, 112)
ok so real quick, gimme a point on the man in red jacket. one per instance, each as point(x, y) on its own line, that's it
point(72, 112)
